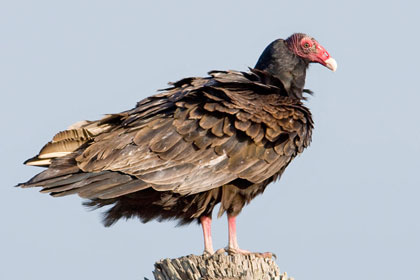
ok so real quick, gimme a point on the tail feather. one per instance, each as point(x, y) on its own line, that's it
point(71, 179)
point(63, 143)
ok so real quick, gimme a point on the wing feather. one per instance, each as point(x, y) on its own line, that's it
point(198, 135)
point(108, 193)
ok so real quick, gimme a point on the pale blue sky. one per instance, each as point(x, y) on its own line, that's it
point(347, 208)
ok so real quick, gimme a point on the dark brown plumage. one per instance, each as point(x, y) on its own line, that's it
point(203, 141)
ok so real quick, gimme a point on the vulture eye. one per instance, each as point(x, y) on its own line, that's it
point(306, 44)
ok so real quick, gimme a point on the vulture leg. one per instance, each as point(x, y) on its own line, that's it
point(208, 243)
point(233, 247)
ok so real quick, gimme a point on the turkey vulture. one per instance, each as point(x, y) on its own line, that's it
point(200, 142)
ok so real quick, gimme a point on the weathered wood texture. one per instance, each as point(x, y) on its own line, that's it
point(218, 267)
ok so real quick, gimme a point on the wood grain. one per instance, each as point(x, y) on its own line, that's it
point(218, 267)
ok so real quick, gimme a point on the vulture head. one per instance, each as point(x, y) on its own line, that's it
point(310, 50)
point(288, 60)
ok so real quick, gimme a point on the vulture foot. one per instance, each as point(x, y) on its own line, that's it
point(233, 247)
point(236, 251)
point(208, 252)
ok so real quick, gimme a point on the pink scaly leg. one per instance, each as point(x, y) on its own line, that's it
point(233, 247)
point(208, 243)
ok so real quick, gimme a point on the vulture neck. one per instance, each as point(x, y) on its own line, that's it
point(279, 61)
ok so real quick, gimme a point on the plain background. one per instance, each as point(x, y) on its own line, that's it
point(347, 208)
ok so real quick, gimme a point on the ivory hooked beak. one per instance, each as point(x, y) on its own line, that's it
point(331, 64)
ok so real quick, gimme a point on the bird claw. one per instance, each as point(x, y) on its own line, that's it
point(236, 251)
point(208, 253)
point(221, 251)
point(269, 255)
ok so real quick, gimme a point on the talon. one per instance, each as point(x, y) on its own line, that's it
point(208, 253)
point(235, 251)
point(221, 251)
point(265, 255)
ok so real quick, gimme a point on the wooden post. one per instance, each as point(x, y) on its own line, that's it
point(218, 267)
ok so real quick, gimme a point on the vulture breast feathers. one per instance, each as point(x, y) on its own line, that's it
point(203, 141)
